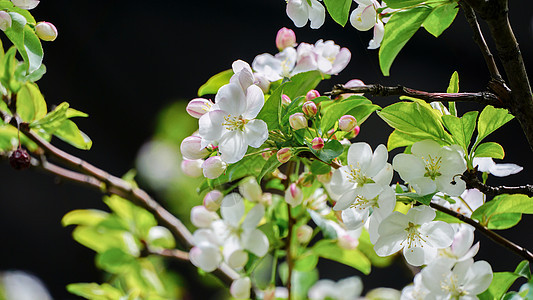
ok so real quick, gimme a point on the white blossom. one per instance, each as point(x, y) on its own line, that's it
point(486, 164)
point(415, 233)
point(299, 11)
point(345, 289)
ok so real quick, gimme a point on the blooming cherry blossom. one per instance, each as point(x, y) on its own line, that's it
point(364, 178)
point(415, 233)
point(366, 17)
point(415, 291)
point(299, 11)
point(206, 251)
point(431, 168)
point(486, 164)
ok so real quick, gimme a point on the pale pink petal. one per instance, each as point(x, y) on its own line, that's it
point(230, 98)
point(298, 12)
point(255, 99)
point(256, 133)
point(317, 14)
point(341, 61)
point(379, 31)
point(233, 146)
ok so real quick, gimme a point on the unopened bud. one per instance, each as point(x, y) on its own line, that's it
point(25, 4)
point(347, 242)
point(324, 178)
point(192, 167)
point(46, 31)
point(317, 143)
point(284, 155)
point(213, 167)
point(353, 133)
point(309, 108)
point(312, 94)
point(5, 20)
point(198, 107)
point(191, 148)
point(266, 154)
point(285, 38)
point(250, 189)
point(304, 234)
point(298, 121)
point(331, 134)
point(240, 288)
point(347, 123)
point(294, 195)
point(285, 100)
point(213, 199)
point(305, 179)
point(201, 217)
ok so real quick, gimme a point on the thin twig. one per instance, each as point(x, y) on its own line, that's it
point(472, 181)
point(485, 98)
point(290, 261)
point(521, 251)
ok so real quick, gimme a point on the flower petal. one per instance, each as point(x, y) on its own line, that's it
point(256, 133)
point(232, 209)
point(298, 12)
point(354, 218)
point(253, 217)
point(360, 156)
point(409, 166)
point(255, 99)
point(230, 98)
point(438, 234)
point(256, 242)
point(317, 14)
point(379, 159)
point(379, 32)
point(233, 146)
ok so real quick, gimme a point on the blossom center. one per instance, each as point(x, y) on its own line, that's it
point(414, 238)
point(452, 286)
point(356, 175)
point(432, 166)
point(363, 203)
point(234, 123)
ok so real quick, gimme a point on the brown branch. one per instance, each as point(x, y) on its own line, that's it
point(170, 253)
point(472, 181)
point(485, 98)
point(521, 251)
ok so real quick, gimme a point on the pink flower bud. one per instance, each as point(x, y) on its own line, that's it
point(312, 94)
point(213, 199)
point(317, 143)
point(198, 107)
point(309, 108)
point(285, 100)
point(201, 217)
point(331, 134)
point(191, 148)
point(347, 123)
point(304, 234)
point(267, 153)
point(214, 167)
point(305, 179)
point(192, 167)
point(25, 4)
point(294, 195)
point(284, 155)
point(298, 121)
point(347, 242)
point(324, 178)
point(353, 133)
point(5, 20)
point(285, 38)
point(46, 31)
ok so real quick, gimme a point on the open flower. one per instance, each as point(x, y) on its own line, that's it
point(276, 67)
point(366, 17)
point(231, 122)
point(415, 233)
point(238, 234)
point(461, 248)
point(206, 251)
point(299, 11)
point(431, 168)
point(347, 288)
point(464, 281)
point(486, 164)
point(364, 177)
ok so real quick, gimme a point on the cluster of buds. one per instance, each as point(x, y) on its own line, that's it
point(309, 111)
point(46, 31)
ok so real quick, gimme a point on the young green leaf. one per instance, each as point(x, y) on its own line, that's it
point(461, 128)
point(490, 149)
point(490, 119)
point(318, 167)
point(402, 3)
point(417, 120)
point(441, 18)
point(331, 150)
point(69, 133)
point(339, 10)
point(353, 258)
point(30, 103)
point(95, 291)
point(87, 217)
point(301, 83)
point(504, 211)
point(271, 111)
point(333, 112)
point(453, 87)
point(214, 83)
point(400, 139)
point(400, 28)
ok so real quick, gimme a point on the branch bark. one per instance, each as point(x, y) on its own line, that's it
point(472, 181)
point(485, 98)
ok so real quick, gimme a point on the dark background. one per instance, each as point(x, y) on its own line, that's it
point(122, 61)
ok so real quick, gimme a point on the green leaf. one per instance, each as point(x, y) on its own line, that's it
point(333, 112)
point(353, 258)
point(400, 28)
point(367, 248)
point(417, 120)
point(523, 270)
point(101, 239)
point(424, 199)
point(87, 217)
point(402, 3)
point(318, 167)
point(339, 10)
point(301, 282)
point(301, 83)
point(490, 119)
point(94, 291)
point(271, 111)
point(331, 150)
point(8, 5)
point(504, 211)
point(453, 87)
point(69, 133)
point(114, 261)
point(306, 262)
point(34, 50)
point(490, 149)
point(461, 128)
point(441, 18)
point(501, 282)
point(269, 167)
point(400, 139)
point(214, 83)
point(30, 103)
point(53, 119)
point(140, 220)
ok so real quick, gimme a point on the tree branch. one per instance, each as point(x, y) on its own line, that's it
point(485, 98)
point(521, 251)
point(472, 181)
